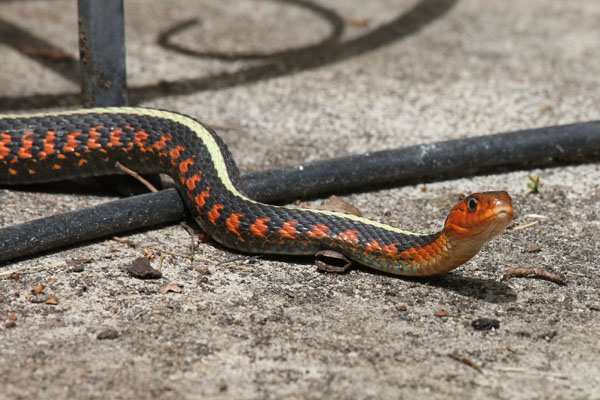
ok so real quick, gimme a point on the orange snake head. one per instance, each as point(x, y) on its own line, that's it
point(476, 220)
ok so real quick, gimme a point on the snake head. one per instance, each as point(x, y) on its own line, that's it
point(479, 217)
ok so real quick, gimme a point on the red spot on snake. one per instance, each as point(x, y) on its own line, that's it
point(390, 250)
point(175, 152)
point(192, 181)
point(288, 230)
point(185, 165)
point(81, 162)
point(259, 228)
point(233, 223)
point(48, 145)
point(12, 171)
point(161, 144)
point(25, 150)
point(140, 138)
point(4, 140)
point(349, 236)
point(373, 245)
point(72, 142)
point(114, 139)
point(94, 137)
point(318, 231)
point(201, 198)
point(215, 213)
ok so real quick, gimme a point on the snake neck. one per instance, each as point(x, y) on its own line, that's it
point(448, 252)
point(442, 254)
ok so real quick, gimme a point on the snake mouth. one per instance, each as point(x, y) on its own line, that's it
point(504, 211)
point(504, 215)
point(496, 220)
point(499, 220)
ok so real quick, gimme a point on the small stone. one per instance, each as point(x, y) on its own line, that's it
point(78, 268)
point(533, 248)
point(39, 299)
point(108, 334)
point(485, 324)
point(141, 269)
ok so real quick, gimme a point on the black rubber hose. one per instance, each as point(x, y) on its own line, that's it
point(524, 149)
point(437, 161)
point(90, 223)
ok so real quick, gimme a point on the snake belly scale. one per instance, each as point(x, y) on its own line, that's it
point(38, 148)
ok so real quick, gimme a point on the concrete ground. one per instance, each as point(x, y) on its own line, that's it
point(294, 81)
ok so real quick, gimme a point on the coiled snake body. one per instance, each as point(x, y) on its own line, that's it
point(49, 147)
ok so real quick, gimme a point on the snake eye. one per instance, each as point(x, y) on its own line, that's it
point(472, 204)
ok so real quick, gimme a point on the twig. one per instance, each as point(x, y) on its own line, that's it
point(514, 272)
point(191, 233)
point(160, 261)
point(131, 243)
point(31, 268)
point(536, 216)
point(227, 127)
point(529, 225)
point(467, 361)
point(137, 176)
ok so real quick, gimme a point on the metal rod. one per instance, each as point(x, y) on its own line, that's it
point(102, 53)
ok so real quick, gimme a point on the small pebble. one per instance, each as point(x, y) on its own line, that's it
point(108, 334)
point(140, 268)
point(485, 324)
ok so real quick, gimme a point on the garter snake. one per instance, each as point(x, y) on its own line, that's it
point(49, 147)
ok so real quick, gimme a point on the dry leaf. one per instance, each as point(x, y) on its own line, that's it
point(335, 203)
point(360, 22)
point(52, 301)
point(203, 237)
point(331, 261)
point(38, 289)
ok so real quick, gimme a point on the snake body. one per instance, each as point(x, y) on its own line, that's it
point(56, 146)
